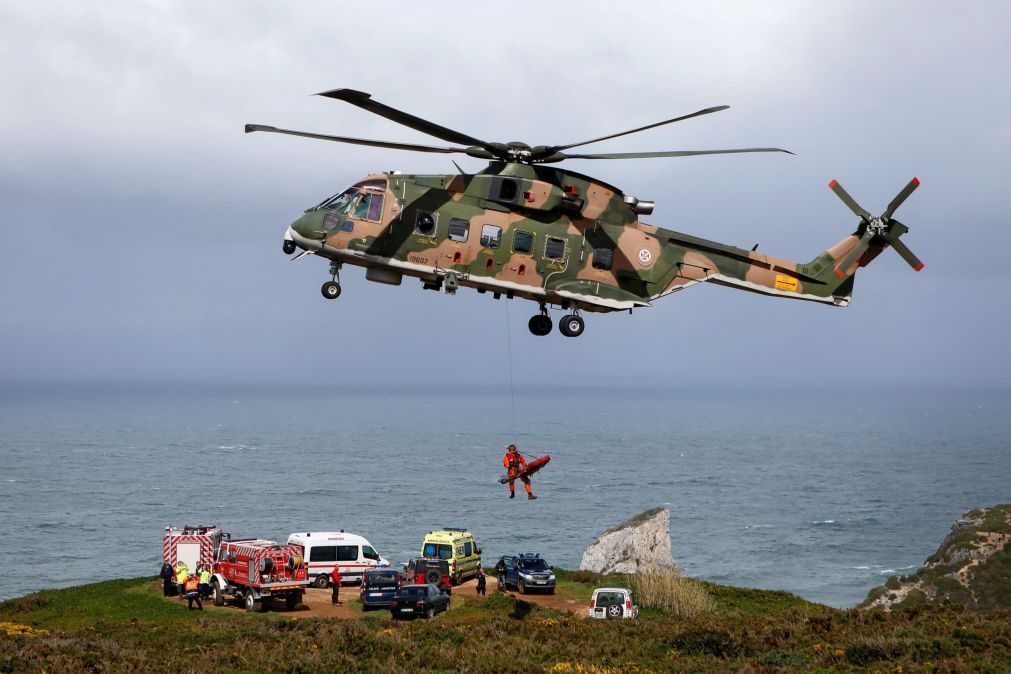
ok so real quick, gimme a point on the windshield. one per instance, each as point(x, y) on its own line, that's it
point(381, 580)
point(533, 565)
point(341, 202)
point(440, 551)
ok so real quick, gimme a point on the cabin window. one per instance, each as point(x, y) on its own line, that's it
point(467, 549)
point(603, 258)
point(323, 553)
point(507, 190)
point(554, 248)
point(369, 553)
point(424, 223)
point(331, 221)
point(491, 236)
point(348, 226)
point(347, 553)
point(375, 208)
point(341, 202)
point(458, 229)
point(523, 242)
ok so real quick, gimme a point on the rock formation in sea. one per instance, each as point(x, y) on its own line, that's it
point(972, 567)
point(640, 543)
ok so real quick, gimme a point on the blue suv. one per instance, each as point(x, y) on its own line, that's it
point(378, 588)
point(529, 572)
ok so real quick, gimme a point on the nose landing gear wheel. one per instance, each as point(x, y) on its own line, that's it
point(540, 324)
point(331, 290)
point(571, 325)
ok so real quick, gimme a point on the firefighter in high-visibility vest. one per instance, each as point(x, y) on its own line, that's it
point(205, 581)
point(193, 592)
point(181, 573)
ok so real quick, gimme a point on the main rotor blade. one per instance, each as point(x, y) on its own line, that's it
point(365, 102)
point(357, 141)
point(906, 254)
point(899, 198)
point(672, 153)
point(848, 200)
point(853, 256)
point(558, 148)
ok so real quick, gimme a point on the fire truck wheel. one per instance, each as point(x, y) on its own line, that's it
point(219, 596)
point(250, 601)
point(291, 601)
point(322, 582)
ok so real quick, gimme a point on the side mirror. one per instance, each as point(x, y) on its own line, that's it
point(477, 550)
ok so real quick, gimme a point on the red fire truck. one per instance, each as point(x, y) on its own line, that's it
point(255, 570)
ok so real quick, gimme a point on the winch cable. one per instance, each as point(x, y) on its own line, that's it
point(509, 349)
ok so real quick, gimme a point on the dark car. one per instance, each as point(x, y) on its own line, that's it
point(411, 601)
point(378, 588)
point(426, 571)
point(529, 572)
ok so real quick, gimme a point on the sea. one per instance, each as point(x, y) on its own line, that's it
point(822, 493)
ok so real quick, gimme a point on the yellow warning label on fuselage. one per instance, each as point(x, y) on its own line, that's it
point(786, 283)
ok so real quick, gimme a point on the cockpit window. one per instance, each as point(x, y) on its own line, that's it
point(369, 207)
point(342, 202)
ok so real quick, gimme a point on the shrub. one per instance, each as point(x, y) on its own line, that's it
point(866, 650)
point(671, 593)
point(893, 583)
point(708, 642)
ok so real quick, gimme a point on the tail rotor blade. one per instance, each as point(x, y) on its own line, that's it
point(848, 200)
point(906, 254)
point(852, 256)
point(899, 198)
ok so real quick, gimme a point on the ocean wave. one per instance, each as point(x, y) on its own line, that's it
point(759, 526)
point(819, 523)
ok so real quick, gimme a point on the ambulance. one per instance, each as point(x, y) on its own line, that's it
point(323, 550)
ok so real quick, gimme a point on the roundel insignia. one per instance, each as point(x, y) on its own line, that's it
point(645, 257)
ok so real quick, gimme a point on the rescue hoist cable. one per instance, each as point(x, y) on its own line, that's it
point(509, 349)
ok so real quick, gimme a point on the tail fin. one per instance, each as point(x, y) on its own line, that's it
point(837, 266)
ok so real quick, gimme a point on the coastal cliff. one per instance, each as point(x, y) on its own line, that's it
point(640, 543)
point(972, 567)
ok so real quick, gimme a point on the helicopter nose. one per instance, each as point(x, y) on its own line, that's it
point(307, 226)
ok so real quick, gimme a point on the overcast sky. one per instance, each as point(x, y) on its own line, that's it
point(140, 229)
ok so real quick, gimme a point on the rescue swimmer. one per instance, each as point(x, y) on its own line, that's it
point(515, 463)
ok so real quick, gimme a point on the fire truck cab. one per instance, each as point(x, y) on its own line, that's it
point(254, 570)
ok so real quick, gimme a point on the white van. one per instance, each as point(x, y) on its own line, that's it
point(326, 549)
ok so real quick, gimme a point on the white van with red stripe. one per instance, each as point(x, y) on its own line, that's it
point(323, 550)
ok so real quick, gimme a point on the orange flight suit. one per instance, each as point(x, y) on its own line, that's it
point(513, 460)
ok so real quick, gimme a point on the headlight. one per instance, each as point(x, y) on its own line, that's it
point(526, 576)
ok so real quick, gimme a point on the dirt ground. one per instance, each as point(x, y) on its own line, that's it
point(316, 602)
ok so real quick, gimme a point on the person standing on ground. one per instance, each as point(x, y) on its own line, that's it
point(500, 572)
point(205, 581)
point(514, 463)
point(167, 578)
point(481, 581)
point(193, 592)
point(181, 573)
point(335, 583)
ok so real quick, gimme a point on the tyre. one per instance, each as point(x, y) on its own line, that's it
point(432, 576)
point(331, 290)
point(219, 595)
point(249, 601)
point(521, 586)
point(430, 613)
point(291, 601)
point(571, 325)
point(322, 581)
point(614, 611)
point(539, 325)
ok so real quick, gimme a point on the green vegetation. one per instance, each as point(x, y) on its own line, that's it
point(127, 625)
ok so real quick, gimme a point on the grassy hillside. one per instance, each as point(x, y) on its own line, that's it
point(127, 625)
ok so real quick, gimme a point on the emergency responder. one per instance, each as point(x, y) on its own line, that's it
point(168, 577)
point(193, 592)
point(500, 574)
point(482, 581)
point(514, 463)
point(181, 573)
point(335, 583)
point(205, 581)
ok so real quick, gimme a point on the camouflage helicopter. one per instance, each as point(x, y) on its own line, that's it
point(522, 229)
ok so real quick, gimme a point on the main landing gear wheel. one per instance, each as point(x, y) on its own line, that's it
point(571, 325)
point(331, 290)
point(540, 324)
